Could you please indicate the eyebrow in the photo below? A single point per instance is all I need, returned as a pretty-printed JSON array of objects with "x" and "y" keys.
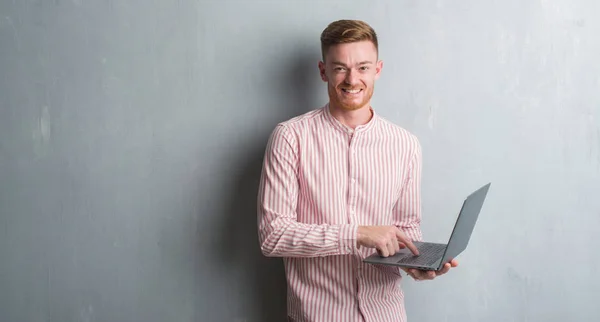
[{"x": 361, "y": 63}]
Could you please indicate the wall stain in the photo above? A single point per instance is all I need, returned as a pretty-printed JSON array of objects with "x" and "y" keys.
[{"x": 42, "y": 132}]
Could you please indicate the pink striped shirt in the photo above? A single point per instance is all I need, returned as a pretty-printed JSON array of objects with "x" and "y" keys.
[{"x": 320, "y": 181}]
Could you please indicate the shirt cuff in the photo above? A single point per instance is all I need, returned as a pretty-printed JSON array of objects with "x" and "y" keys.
[
  {"x": 348, "y": 235},
  {"x": 414, "y": 234}
]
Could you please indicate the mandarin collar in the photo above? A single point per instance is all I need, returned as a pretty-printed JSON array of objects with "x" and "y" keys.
[{"x": 346, "y": 129}]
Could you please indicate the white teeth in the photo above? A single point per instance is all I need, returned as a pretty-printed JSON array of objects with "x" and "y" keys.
[{"x": 353, "y": 91}]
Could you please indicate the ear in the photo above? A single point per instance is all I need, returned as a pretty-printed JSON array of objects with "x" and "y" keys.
[
  {"x": 322, "y": 71},
  {"x": 378, "y": 68}
]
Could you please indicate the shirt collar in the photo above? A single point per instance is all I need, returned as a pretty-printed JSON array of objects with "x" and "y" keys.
[{"x": 346, "y": 129}]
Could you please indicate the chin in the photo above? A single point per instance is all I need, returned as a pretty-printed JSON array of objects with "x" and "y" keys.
[{"x": 352, "y": 105}]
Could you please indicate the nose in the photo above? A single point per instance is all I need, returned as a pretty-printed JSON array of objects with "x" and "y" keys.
[{"x": 351, "y": 78}]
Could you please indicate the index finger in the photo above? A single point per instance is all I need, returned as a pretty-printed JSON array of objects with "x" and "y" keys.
[{"x": 406, "y": 241}]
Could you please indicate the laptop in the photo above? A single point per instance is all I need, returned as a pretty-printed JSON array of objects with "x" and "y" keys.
[{"x": 433, "y": 256}]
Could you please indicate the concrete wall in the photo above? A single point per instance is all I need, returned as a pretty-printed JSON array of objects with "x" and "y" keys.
[{"x": 132, "y": 132}]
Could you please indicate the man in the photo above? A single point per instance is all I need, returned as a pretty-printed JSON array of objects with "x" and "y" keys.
[{"x": 339, "y": 183}]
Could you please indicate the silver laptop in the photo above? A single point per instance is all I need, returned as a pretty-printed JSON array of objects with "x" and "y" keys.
[{"x": 433, "y": 256}]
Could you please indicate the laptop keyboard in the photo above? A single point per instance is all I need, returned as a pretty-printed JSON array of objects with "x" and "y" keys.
[{"x": 428, "y": 255}]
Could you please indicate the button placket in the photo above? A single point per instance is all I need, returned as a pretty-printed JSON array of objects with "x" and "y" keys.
[{"x": 352, "y": 177}]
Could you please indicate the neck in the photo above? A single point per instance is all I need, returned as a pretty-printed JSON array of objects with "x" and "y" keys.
[{"x": 352, "y": 118}]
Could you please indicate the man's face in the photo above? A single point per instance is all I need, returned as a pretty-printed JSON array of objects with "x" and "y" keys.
[{"x": 350, "y": 71}]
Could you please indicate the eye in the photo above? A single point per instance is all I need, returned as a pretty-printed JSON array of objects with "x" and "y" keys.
[
  {"x": 339, "y": 69},
  {"x": 363, "y": 68}
]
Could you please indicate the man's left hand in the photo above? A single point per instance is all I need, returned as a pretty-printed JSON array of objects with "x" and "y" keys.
[{"x": 420, "y": 275}]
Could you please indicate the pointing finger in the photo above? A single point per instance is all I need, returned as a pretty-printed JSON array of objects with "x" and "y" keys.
[{"x": 406, "y": 241}]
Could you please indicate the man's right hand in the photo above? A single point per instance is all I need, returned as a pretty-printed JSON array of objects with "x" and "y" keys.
[{"x": 386, "y": 239}]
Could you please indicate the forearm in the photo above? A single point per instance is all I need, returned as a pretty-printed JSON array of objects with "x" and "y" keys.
[
  {"x": 285, "y": 237},
  {"x": 413, "y": 232}
]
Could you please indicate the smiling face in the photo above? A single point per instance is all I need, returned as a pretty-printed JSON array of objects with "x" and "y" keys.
[{"x": 350, "y": 70}]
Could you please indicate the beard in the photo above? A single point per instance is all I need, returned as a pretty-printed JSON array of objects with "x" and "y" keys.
[{"x": 346, "y": 102}]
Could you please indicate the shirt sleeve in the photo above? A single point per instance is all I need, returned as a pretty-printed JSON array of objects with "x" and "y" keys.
[
  {"x": 280, "y": 234},
  {"x": 407, "y": 212}
]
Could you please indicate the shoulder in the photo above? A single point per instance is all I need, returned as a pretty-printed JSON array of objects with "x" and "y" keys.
[
  {"x": 399, "y": 134},
  {"x": 289, "y": 130},
  {"x": 302, "y": 120},
  {"x": 296, "y": 124}
]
